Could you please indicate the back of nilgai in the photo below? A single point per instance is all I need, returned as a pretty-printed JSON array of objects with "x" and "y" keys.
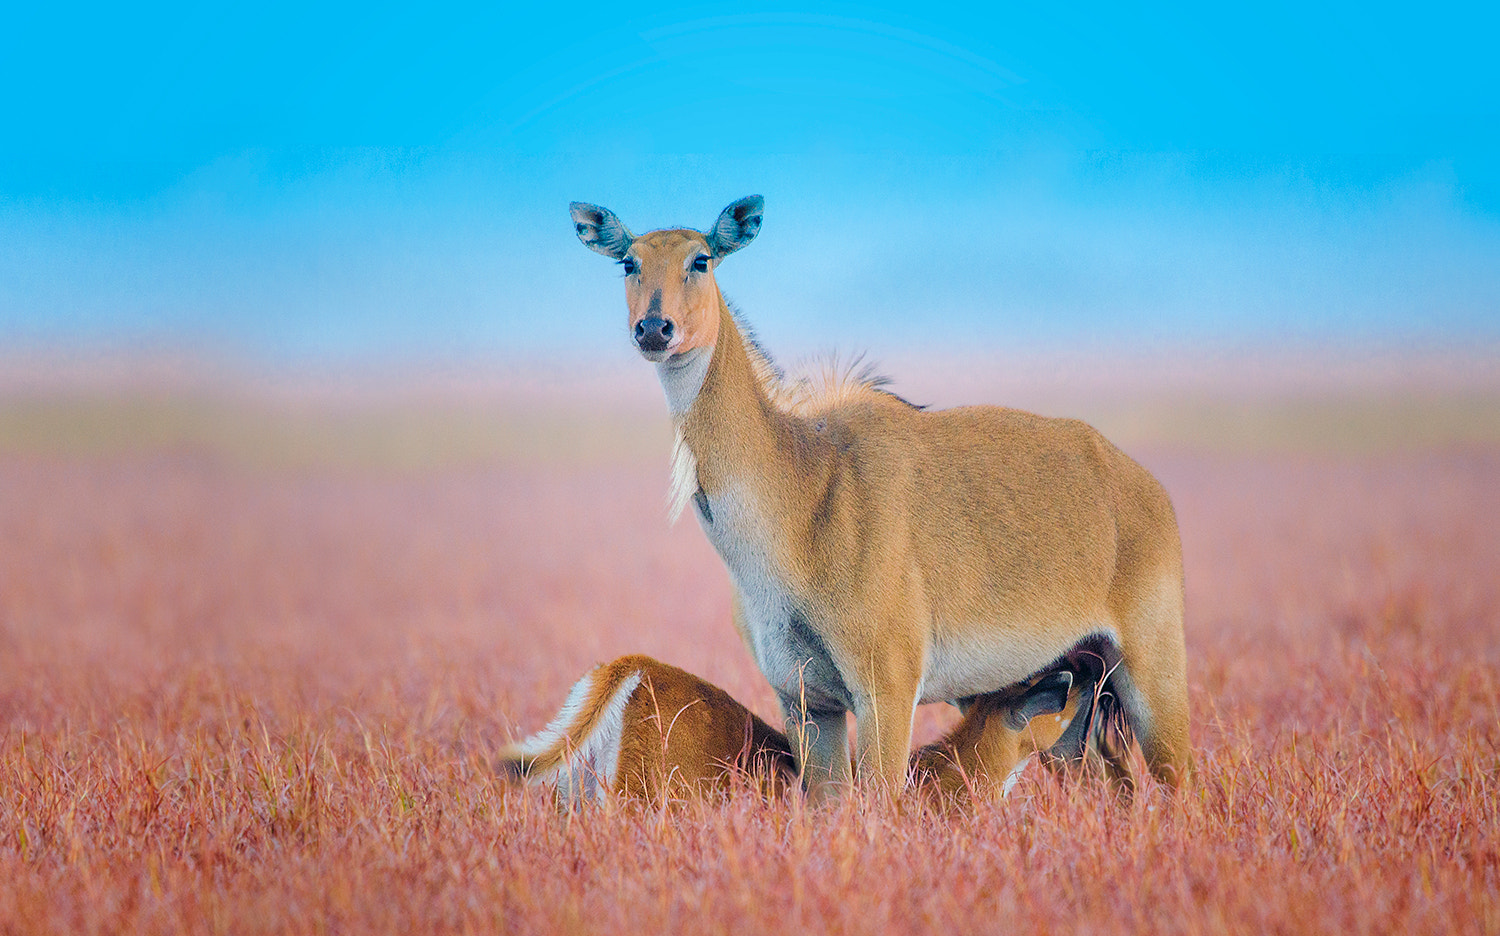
[{"x": 640, "y": 728}]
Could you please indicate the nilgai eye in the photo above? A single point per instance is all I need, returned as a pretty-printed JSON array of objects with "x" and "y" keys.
[
  {"x": 700, "y": 264},
  {"x": 629, "y": 266}
]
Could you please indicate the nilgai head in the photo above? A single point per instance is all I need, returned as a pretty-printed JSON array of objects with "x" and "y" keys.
[{"x": 669, "y": 274}]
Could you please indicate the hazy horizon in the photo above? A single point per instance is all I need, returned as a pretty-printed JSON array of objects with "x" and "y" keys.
[{"x": 459, "y": 253}]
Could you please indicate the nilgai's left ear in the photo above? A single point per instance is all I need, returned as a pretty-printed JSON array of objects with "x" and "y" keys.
[
  {"x": 600, "y": 230},
  {"x": 737, "y": 226},
  {"x": 1049, "y": 695}
]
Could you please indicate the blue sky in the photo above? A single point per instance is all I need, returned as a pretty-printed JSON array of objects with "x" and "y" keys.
[{"x": 284, "y": 180}]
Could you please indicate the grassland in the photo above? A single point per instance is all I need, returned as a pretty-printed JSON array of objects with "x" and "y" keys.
[{"x": 251, "y": 685}]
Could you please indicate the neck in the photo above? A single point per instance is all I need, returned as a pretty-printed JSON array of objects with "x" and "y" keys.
[
  {"x": 723, "y": 412},
  {"x": 682, "y": 379}
]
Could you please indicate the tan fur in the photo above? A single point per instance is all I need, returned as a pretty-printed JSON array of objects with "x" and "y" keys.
[
  {"x": 679, "y": 735},
  {"x": 829, "y": 384},
  {"x": 882, "y": 555},
  {"x": 983, "y": 753}
]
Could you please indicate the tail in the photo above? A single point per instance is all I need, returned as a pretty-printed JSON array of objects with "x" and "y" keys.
[{"x": 579, "y": 749}]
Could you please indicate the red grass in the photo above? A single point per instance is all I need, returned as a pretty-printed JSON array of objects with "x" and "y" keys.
[{"x": 264, "y": 702}]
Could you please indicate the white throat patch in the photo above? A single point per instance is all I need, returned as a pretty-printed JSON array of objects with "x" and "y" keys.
[
  {"x": 682, "y": 378},
  {"x": 684, "y": 482}
]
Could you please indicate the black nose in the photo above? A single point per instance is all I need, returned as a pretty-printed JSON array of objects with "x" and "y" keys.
[{"x": 653, "y": 334}]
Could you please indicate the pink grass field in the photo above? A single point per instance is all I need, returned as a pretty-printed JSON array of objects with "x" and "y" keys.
[{"x": 248, "y": 699}]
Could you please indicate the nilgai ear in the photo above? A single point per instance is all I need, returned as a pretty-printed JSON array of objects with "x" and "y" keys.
[
  {"x": 737, "y": 226},
  {"x": 1049, "y": 695},
  {"x": 600, "y": 230}
]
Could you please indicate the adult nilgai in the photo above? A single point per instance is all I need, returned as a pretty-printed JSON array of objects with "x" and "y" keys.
[{"x": 883, "y": 555}]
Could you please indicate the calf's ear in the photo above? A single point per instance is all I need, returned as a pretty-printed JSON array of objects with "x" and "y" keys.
[{"x": 1049, "y": 695}]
